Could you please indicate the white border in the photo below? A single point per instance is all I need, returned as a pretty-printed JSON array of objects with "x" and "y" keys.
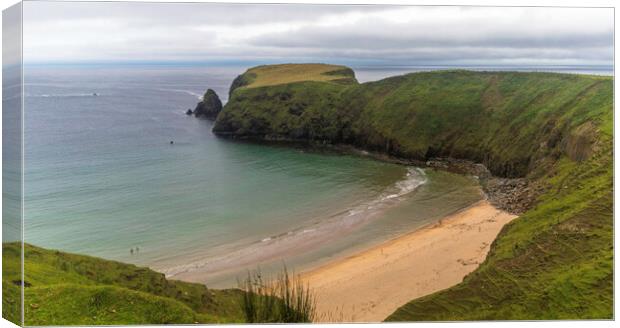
[{"x": 509, "y": 3}]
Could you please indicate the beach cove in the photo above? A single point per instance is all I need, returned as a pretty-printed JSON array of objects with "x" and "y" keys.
[
  {"x": 372, "y": 201},
  {"x": 198, "y": 209}
]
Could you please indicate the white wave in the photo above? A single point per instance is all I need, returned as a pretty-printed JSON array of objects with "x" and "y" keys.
[
  {"x": 354, "y": 212},
  {"x": 197, "y": 95},
  {"x": 61, "y": 95},
  {"x": 414, "y": 178}
]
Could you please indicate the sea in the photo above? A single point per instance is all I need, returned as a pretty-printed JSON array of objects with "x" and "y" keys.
[{"x": 114, "y": 168}]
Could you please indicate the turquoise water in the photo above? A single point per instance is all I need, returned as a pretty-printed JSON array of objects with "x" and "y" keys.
[{"x": 101, "y": 178}]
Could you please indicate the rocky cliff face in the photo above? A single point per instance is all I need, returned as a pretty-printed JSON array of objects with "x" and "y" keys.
[
  {"x": 240, "y": 81},
  {"x": 209, "y": 107}
]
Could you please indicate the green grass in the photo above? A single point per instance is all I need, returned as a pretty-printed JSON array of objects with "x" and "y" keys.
[
  {"x": 285, "y": 299},
  {"x": 553, "y": 262},
  {"x": 70, "y": 289},
  {"x": 11, "y": 302},
  {"x": 97, "y": 305},
  {"x": 302, "y": 114},
  {"x": 268, "y": 75}
]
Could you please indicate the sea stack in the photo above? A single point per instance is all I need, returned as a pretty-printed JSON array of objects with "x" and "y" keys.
[{"x": 209, "y": 107}]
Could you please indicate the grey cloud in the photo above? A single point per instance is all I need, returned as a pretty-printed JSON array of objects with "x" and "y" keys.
[
  {"x": 326, "y": 37},
  {"x": 195, "y": 31},
  {"x": 179, "y": 14}
]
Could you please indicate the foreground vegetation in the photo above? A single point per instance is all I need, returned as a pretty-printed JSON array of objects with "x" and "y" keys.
[
  {"x": 284, "y": 299},
  {"x": 555, "y": 130},
  {"x": 68, "y": 289}
]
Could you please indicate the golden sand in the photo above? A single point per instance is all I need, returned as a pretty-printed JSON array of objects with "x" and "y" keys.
[{"x": 370, "y": 285}]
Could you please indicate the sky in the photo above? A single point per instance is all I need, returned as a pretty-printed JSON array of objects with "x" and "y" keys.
[{"x": 67, "y": 32}]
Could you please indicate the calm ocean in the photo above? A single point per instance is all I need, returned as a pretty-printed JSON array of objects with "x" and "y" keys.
[{"x": 101, "y": 178}]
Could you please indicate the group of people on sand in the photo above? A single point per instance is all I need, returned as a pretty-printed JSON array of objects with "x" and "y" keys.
[{"x": 136, "y": 251}]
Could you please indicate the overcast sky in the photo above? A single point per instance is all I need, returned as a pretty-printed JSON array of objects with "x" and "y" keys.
[{"x": 75, "y": 32}]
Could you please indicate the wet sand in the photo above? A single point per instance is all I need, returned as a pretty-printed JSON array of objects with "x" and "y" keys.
[{"x": 370, "y": 285}]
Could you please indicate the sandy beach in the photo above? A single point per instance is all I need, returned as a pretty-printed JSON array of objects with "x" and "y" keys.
[{"x": 370, "y": 285}]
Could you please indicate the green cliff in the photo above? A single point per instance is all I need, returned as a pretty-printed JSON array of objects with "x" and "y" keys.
[
  {"x": 508, "y": 121},
  {"x": 69, "y": 289},
  {"x": 553, "y": 130}
]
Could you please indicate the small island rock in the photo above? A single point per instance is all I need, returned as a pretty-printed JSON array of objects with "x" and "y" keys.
[{"x": 209, "y": 107}]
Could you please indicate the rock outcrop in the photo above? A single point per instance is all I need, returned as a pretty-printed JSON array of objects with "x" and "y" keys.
[{"x": 209, "y": 107}]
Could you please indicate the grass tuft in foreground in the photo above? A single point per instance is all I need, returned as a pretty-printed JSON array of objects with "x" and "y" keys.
[{"x": 283, "y": 300}]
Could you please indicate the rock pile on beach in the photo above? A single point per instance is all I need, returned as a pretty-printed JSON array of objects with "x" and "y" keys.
[
  {"x": 512, "y": 195},
  {"x": 515, "y": 196}
]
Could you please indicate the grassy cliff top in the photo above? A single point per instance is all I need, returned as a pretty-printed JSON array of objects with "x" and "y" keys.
[
  {"x": 288, "y": 73},
  {"x": 268, "y": 75}
]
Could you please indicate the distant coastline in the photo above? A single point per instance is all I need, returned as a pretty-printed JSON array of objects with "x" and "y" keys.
[{"x": 603, "y": 69}]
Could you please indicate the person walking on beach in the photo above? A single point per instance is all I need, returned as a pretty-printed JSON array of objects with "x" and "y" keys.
[{"x": 131, "y": 251}]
